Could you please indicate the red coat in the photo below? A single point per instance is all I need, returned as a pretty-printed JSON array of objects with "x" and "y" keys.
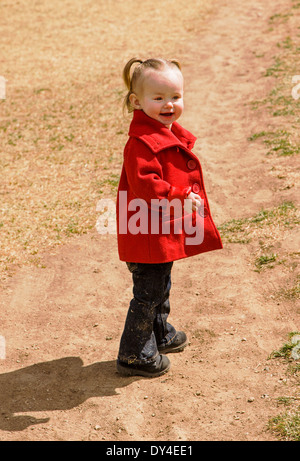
[{"x": 159, "y": 167}]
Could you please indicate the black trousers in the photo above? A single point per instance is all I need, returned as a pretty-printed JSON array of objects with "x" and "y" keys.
[{"x": 146, "y": 326}]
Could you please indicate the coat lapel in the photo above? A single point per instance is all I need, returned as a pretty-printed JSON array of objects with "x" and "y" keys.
[{"x": 158, "y": 137}]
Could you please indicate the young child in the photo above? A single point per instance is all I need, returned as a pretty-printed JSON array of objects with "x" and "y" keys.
[{"x": 162, "y": 212}]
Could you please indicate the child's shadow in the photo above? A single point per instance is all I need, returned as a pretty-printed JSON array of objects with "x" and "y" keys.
[{"x": 57, "y": 385}]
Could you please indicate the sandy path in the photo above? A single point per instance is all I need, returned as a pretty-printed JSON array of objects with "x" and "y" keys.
[{"x": 63, "y": 322}]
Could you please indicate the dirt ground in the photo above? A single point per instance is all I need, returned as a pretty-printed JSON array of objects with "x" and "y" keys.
[{"x": 62, "y": 322}]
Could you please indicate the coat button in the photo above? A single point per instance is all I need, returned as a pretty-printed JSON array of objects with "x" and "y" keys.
[
  {"x": 191, "y": 164},
  {"x": 196, "y": 188}
]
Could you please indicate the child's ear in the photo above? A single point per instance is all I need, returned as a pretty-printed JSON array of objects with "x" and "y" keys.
[{"x": 134, "y": 101}]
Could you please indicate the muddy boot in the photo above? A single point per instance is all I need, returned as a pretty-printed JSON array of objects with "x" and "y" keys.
[
  {"x": 177, "y": 344},
  {"x": 159, "y": 367}
]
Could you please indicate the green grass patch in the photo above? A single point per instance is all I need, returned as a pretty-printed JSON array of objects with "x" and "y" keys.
[
  {"x": 265, "y": 223},
  {"x": 285, "y": 351},
  {"x": 279, "y": 142},
  {"x": 265, "y": 229},
  {"x": 281, "y": 102},
  {"x": 279, "y": 18},
  {"x": 276, "y": 68},
  {"x": 265, "y": 260},
  {"x": 286, "y": 426}
]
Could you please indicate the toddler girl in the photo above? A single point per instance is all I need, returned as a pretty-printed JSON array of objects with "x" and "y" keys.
[{"x": 162, "y": 212}]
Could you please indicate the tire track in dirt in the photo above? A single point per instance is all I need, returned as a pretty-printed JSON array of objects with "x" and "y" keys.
[{"x": 65, "y": 320}]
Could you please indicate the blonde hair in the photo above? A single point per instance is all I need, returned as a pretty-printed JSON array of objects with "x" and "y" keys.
[{"x": 131, "y": 81}]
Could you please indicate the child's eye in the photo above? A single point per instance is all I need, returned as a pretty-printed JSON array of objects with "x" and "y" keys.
[{"x": 158, "y": 98}]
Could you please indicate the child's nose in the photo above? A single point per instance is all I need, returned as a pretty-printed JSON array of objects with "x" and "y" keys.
[{"x": 169, "y": 104}]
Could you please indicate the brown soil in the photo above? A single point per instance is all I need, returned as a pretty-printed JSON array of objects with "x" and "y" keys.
[{"x": 62, "y": 322}]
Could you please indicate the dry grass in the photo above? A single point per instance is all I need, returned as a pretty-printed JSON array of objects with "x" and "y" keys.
[
  {"x": 282, "y": 134},
  {"x": 265, "y": 225},
  {"x": 62, "y": 129}
]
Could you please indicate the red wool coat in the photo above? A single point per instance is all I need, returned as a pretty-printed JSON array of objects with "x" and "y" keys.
[{"x": 159, "y": 169}]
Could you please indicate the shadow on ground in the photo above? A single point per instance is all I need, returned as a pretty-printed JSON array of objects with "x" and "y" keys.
[{"x": 60, "y": 384}]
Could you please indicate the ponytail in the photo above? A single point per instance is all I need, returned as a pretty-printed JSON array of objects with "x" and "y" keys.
[
  {"x": 176, "y": 63},
  {"x": 128, "y": 81}
]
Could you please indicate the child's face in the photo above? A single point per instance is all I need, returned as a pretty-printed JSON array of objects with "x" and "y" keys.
[{"x": 160, "y": 95}]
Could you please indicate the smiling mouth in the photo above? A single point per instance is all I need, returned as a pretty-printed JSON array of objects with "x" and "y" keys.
[{"x": 168, "y": 114}]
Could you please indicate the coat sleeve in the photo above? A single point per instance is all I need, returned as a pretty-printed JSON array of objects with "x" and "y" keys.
[{"x": 145, "y": 175}]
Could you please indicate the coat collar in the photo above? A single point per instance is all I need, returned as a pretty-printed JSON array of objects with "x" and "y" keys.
[{"x": 157, "y": 136}]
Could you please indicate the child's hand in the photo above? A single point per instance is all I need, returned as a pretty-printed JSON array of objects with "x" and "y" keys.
[{"x": 192, "y": 202}]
